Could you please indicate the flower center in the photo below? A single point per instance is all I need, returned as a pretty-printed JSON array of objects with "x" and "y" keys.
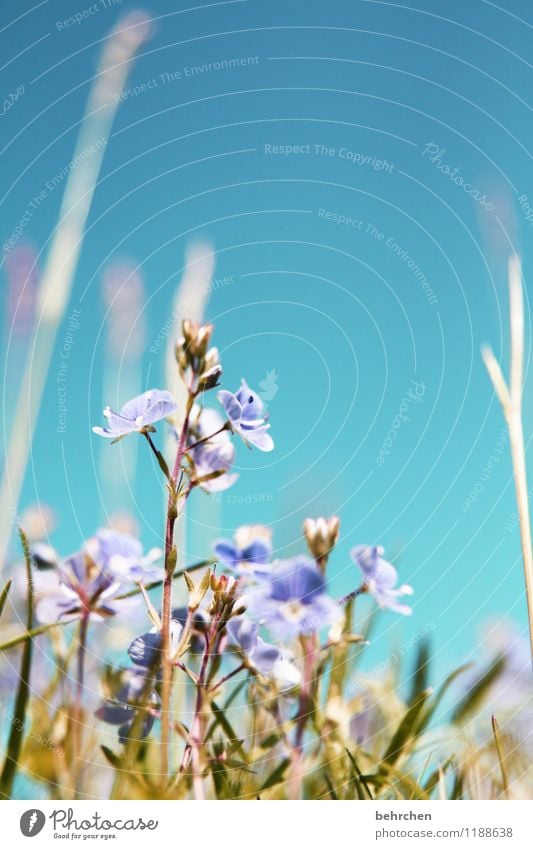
[{"x": 293, "y": 611}]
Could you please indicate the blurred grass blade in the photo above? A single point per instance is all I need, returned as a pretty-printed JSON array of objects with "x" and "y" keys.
[
  {"x": 407, "y": 729},
  {"x": 16, "y": 736},
  {"x": 358, "y": 778},
  {"x": 276, "y": 776},
  {"x": 428, "y": 714},
  {"x": 501, "y": 757},
  {"x": 477, "y": 693},
  {"x": 57, "y": 279},
  {"x": 421, "y": 670},
  {"x": 4, "y": 594}
]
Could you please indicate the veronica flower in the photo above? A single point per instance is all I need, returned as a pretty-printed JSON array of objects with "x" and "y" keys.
[
  {"x": 122, "y": 556},
  {"x": 245, "y": 412},
  {"x": 293, "y": 601},
  {"x": 138, "y": 414},
  {"x": 145, "y": 650},
  {"x": 121, "y": 710},
  {"x": 380, "y": 578},
  {"x": 259, "y": 656},
  {"x": 248, "y": 554},
  {"x": 214, "y": 457},
  {"x": 84, "y": 589}
]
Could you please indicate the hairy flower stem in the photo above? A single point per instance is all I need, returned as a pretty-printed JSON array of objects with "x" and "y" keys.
[
  {"x": 170, "y": 564},
  {"x": 305, "y": 710},
  {"x": 78, "y": 710},
  {"x": 199, "y": 723}
]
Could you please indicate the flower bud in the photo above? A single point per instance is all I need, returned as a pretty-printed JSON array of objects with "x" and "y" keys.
[
  {"x": 192, "y": 348},
  {"x": 321, "y": 535},
  {"x": 210, "y": 378}
]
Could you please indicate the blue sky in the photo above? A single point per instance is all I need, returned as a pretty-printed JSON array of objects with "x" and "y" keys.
[{"x": 363, "y": 172}]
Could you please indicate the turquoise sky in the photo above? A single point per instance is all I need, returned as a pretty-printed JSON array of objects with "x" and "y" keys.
[{"x": 362, "y": 169}]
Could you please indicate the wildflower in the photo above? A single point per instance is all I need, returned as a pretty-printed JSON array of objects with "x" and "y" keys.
[
  {"x": 122, "y": 556},
  {"x": 212, "y": 459},
  {"x": 321, "y": 535},
  {"x": 121, "y": 710},
  {"x": 246, "y": 416},
  {"x": 380, "y": 578},
  {"x": 293, "y": 601},
  {"x": 260, "y": 656},
  {"x": 84, "y": 589},
  {"x": 145, "y": 650},
  {"x": 248, "y": 554},
  {"x": 138, "y": 415}
]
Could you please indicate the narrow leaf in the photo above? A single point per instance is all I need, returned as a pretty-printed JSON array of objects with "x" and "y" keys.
[
  {"x": 277, "y": 776},
  {"x": 406, "y": 730},
  {"x": 501, "y": 757},
  {"x": 16, "y": 736},
  {"x": 475, "y": 696},
  {"x": 4, "y": 594}
]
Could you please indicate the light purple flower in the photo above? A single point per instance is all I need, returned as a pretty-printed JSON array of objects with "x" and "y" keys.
[
  {"x": 216, "y": 455},
  {"x": 380, "y": 578},
  {"x": 121, "y": 555},
  {"x": 121, "y": 711},
  {"x": 294, "y": 600},
  {"x": 246, "y": 415},
  {"x": 261, "y": 656},
  {"x": 139, "y": 413},
  {"x": 145, "y": 650},
  {"x": 248, "y": 554},
  {"x": 84, "y": 589}
]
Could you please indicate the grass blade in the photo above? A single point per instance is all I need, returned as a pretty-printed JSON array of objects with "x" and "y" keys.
[
  {"x": 16, "y": 736},
  {"x": 501, "y": 757},
  {"x": 4, "y": 594},
  {"x": 407, "y": 729}
]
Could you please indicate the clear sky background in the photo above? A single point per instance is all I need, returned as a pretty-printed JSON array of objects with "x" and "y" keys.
[{"x": 362, "y": 277}]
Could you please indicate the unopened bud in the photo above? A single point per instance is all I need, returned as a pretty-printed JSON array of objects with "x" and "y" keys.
[
  {"x": 210, "y": 378},
  {"x": 321, "y": 535}
]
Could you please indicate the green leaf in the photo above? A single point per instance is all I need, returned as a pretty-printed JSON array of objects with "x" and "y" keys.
[
  {"x": 421, "y": 670},
  {"x": 359, "y": 779},
  {"x": 475, "y": 696},
  {"x": 428, "y": 714},
  {"x": 16, "y": 735},
  {"x": 222, "y": 720},
  {"x": 277, "y": 776},
  {"x": 233, "y": 695},
  {"x": 501, "y": 757},
  {"x": 406, "y": 730},
  {"x": 4, "y": 594},
  {"x": 114, "y": 759}
]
